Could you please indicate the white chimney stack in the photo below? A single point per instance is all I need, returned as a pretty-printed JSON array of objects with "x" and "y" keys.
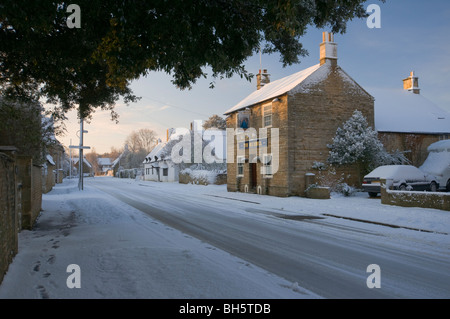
[
  {"x": 328, "y": 49},
  {"x": 411, "y": 83}
]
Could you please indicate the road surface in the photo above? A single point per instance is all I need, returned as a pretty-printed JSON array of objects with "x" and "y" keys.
[{"x": 322, "y": 254}]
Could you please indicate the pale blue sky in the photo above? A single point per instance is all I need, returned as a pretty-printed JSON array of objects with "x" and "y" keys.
[{"x": 414, "y": 36}]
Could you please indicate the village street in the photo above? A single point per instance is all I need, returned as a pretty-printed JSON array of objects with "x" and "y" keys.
[
  {"x": 136, "y": 239},
  {"x": 325, "y": 255}
]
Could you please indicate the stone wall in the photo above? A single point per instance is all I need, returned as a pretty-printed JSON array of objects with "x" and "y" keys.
[
  {"x": 414, "y": 199},
  {"x": 415, "y": 145},
  {"x": 314, "y": 116},
  {"x": 48, "y": 178},
  {"x": 8, "y": 212}
]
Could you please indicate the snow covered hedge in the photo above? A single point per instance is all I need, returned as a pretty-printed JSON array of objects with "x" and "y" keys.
[
  {"x": 128, "y": 173},
  {"x": 200, "y": 176}
]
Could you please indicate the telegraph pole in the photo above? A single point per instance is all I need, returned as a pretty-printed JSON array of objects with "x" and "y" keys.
[{"x": 81, "y": 158}]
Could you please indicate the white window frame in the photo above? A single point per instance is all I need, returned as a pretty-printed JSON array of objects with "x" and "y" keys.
[
  {"x": 240, "y": 164},
  {"x": 267, "y": 165},
  {"x": 263, "y": 109}
]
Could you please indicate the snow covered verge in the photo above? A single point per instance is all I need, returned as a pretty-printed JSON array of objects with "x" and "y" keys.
[{"x": 123, "y": 253}]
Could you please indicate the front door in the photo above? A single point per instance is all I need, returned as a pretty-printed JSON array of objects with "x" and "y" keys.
[{"x": 252, "y": 175}]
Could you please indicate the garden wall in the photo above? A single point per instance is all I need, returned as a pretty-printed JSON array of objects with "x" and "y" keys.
[{"x": 435, "y": 200}]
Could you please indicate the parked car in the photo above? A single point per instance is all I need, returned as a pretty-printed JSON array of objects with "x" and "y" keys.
[
  {"x": 438, "y": 163},
  {"x": 404, "y": 177}
]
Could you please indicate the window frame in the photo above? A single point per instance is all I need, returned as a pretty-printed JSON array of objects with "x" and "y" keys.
[
  {"x": 264, "y": 115},
  {"x": 240, "y": 165},
  {"x": 267, "y": 165}
]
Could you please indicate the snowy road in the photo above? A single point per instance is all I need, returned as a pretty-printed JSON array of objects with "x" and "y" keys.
[{"x": 296, "y": 241}]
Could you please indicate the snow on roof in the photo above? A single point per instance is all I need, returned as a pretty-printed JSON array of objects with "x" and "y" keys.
[
  {"x": 156, "y": 151},
  {"x": 275, "y": 88},
  {"x": 50, "y": 159},
  {"x": 441, "y": 146},
  {"x": 396, "y": 171},
  {"x": 75, "y": 161},
  {"x": 436, "y": 163},
  {"x": 104, "y": 161},
  {"x": 398, "y": 110}
]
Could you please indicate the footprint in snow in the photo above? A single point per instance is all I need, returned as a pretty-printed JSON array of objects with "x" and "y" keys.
[
  {"x": 37, "y": 266},
  {"x": 42, "y": 292}
]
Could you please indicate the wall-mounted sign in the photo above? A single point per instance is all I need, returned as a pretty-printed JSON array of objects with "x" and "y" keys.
[
  {"x": 253, "y": 144},
  {"x": 244, "y": 119}
]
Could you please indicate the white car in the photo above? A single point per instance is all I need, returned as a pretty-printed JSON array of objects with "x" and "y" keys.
[
  {"x": 403, "y": 177},
  {"x": 438, "y": 163}
]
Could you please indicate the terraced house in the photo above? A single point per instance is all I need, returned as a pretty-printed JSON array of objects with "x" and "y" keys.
[{"x": 306, "y": 107}]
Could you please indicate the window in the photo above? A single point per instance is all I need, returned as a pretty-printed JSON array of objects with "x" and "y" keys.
[
  {"x": 165, "y": 171},
  {"x": 267, "y": 165},
  {"x": 240, "y": 165},
  {"x": 267, "y": 115},
  {"x": 444, "y": 137}
]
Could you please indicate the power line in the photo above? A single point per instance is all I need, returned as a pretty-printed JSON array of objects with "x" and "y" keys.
[{"x": 175, "y": 106}]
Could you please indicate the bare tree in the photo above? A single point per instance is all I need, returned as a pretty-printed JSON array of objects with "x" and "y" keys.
[
  {"x": 143, "y": 139},
  {"x": 92, "y": 157},
  {"x": 148, "y": 139}
]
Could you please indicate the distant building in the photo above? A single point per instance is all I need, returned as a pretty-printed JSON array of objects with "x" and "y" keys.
[
  {"x": 105, "y": 165},
  {"x": 407, "y": 121},
  {"x": 87, "y": 166},
  {"x": 307, "y": 108}
]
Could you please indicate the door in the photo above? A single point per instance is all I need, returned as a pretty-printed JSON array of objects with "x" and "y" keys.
[{"x": 252, "y": 175}]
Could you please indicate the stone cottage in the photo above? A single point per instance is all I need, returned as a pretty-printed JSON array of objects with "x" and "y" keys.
[
  {"x": 306, "y": 108},
  {"x": 407, "y": 121}
]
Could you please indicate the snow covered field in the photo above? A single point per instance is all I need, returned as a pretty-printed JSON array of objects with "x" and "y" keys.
[{"x": 124, "y": 253}]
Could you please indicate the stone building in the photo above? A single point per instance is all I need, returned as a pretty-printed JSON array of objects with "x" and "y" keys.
[
  {"x": 301, "y": 113},
  {"x": 407, "y": 121},
  {"x": 87, "y": 166}
]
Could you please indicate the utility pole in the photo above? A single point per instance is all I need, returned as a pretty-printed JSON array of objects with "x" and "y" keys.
[
  {"x": 71, "y": 162},
  {"x": 81, "y": 159}
]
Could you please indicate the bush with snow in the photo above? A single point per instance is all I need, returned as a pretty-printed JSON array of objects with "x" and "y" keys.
[
  {"x": 357, "y": 143},
  {"x": 201, "y": 175}
]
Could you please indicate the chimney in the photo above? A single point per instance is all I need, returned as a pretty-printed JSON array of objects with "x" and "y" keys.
[
  {"x": 262, "y": 79},
  {"x": 328, "y": 49},
  {"x": 169, "y": 133},
  {"x": 411, "y": 83}
]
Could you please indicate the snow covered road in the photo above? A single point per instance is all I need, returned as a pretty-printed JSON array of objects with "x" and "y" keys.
[
  {"x": 325, "y": 255},
  {"x": 135, "y": 239}
]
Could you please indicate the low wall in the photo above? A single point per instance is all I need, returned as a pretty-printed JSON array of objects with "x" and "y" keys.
[
  {"x": 8, "y": 212},
  {"x": 435, "y": 200}
]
